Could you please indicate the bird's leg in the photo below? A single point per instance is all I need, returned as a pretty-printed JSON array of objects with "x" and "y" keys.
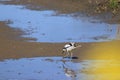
[
  {"x": 63, "y": 53},
  {"x": 71, "y": 55},
  {"x": 66, "y": 54}
]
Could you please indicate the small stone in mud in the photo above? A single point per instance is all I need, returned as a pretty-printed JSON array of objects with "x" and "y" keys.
[{"x": 50, "y": 60}]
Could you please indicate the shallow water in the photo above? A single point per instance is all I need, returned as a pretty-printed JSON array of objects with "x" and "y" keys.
[
  {"x": 44, "y": 68},
  {"x": 46, "y": 26},
  {"x": 41, "y": 68}
]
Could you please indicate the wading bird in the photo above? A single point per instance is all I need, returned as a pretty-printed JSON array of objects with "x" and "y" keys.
[{"x": 68, "y": 48}]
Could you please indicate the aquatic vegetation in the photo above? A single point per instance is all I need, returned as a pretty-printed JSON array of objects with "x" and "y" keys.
[{"x": 114, "y": 4}]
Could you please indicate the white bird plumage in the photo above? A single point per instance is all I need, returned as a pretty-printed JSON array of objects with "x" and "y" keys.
[{"x": 68, "y": 48}]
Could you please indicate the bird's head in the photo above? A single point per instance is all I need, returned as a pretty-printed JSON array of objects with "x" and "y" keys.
[{"x": 72, "y": 43}]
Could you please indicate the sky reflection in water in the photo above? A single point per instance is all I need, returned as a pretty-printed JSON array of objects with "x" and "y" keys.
[
  {"x": 36, "y": 68},
  {"x": 45, "y": 26},
  {"x": 45, "y": 68}
]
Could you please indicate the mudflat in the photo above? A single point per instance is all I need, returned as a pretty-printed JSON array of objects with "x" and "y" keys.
[{"x": 14, "y": 46}]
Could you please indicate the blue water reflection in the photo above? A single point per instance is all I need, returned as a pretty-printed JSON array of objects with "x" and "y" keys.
[
  {"x": 53, "y": 68},
  {"x": 46, "y": 27},
  {"x": 46, "y": 68}
]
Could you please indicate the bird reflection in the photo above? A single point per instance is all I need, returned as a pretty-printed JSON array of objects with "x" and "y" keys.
[{"x": 69, "y": 72}]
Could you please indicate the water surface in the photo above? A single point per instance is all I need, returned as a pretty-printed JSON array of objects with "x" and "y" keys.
[
  {"x": 52, "y": 68},
  {"x": 50, "y": 27},
  {"x": 46, "y": 26}
]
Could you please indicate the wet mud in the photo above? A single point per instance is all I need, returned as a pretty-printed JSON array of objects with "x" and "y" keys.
[{"x": 13, "y": 46}]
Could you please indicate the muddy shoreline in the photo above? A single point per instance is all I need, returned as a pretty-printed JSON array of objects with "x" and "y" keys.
[
  {"x": 16, "y": 49},
  {"x": 14, "y": 46}
]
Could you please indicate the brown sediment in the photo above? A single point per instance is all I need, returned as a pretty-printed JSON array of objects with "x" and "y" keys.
[
  {"x": 14, "y": 46},
  {"x": 16, "y": 49},
  {"x": 64, "y": 6}
]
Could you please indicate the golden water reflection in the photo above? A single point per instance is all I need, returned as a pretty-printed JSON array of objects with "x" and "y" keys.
[
  {"x": 102, "y": 70},
  {"x": 105, "y": 61}
]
